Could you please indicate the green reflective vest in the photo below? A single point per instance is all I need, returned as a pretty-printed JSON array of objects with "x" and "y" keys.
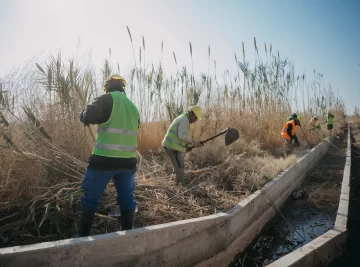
[
  {"x": 117, "y": 138},
  {"x": 171, "y": 139},
  {"x": 329, "y": 119}
]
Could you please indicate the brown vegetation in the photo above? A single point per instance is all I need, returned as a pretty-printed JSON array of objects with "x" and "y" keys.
[{"x": 44, "y": 148}]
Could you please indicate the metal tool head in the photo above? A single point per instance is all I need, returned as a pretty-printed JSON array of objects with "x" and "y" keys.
[
  {"x": 115, "y": 211},
  {"x": 231, "y": 136}
]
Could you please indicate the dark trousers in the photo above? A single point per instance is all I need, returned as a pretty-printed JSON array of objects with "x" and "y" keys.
[
  {"x": 294, "y": 140},
  {"x": 95, "y": 183},
  {"x": 177, "y": 160}
]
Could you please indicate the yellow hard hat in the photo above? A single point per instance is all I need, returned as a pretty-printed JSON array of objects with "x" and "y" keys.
[
  {"x": 197, "y": 111},
  {"x": 113, "y": 80}
]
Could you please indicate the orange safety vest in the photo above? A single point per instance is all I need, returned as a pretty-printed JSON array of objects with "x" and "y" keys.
[{"x": 285, "y": 128}]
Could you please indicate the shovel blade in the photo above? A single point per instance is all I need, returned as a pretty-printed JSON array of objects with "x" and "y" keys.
[
  {"x": 114, "y": 212},
  {"x": 231, "y": 136}
]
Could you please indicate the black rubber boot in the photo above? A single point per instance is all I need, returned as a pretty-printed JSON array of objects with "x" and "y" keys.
[
  {"x": 127, "y": 219},
  {"x": 87, "y": 218}
]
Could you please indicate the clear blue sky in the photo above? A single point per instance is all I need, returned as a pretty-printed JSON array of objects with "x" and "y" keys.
[{"x": 318, "y": 34}]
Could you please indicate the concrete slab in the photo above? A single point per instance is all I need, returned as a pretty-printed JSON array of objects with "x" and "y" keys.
[{"x": 181, "y": 243}]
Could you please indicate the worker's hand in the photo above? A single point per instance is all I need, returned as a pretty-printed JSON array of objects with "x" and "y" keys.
[
  {"x": 197, "y": 143},
  {"x": 83, "y": 120}
]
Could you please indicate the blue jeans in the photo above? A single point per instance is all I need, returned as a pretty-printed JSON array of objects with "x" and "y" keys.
[{"x": 95, "y": 183}]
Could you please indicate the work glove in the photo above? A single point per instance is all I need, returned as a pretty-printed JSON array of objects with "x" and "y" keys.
[{"x": 197, "y": 143}]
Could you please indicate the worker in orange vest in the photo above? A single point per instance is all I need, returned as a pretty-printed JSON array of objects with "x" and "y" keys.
[{"x": 289, "y": 132}]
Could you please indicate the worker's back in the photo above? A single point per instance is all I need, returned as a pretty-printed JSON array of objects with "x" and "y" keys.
[{"x": 117, "y": 138}]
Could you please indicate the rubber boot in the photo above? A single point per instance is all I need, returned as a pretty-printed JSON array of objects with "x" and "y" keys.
[
  {"x": 127, "y": 219},
  {"x": 87, "y": 218}
]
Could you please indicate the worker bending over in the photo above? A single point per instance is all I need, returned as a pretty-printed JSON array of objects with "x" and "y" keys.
[
  {"x": 177, "y": 139},
  {"x": 289, "y": 133}
]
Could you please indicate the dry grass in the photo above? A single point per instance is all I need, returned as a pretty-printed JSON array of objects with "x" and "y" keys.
[
  {"x": 44, "y": 148},
  {"x": 355, "y": 119},
  {"x": 323, "y": 197},
  {"x": 48, "y": 179},
  {"x": 47, "y": 174},
  {"x": 150, "y": 136},
  {"x": 40, "y": 183}
]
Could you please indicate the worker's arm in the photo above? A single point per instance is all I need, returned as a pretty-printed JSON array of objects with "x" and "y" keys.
[
  {"x": 183, "y": 128},
  {"x": 98, "y": 111}
]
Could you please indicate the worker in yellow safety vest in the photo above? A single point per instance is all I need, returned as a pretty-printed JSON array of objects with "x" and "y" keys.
[
  {"x": 177, "y": 139},
  {"x": 329, "y": 120},
  {"x": 114, "y": 153}
]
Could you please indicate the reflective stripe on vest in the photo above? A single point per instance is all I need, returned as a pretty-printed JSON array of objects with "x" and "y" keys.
[
  {"x": 175, "y": 141},
  {"x": 285, "y": 128},
  {"x": 116, "y": 131},
  {"x": 117, "y": 138},
  {"x": 171, "y": 139},
  {"x": 115, "y": 147}
]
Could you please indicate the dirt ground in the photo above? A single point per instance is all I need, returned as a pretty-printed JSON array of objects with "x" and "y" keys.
[
  {"x": 351, "y": 257},
  {"x": 309, "y": 212}
]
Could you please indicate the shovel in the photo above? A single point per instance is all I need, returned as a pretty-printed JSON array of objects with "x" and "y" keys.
[{"x": 231, "y": 135}]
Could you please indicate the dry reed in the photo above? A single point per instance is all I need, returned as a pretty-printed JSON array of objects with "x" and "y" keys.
[{"x": 44, "y": 148}]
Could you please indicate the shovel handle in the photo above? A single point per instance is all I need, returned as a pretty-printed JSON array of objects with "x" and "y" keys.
[
  {"x": 189, "y": 148},
  {"x": 91, "y": 132},
  {"x": 206, "y": 140},
  {"x": 212, "y": 137}
]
